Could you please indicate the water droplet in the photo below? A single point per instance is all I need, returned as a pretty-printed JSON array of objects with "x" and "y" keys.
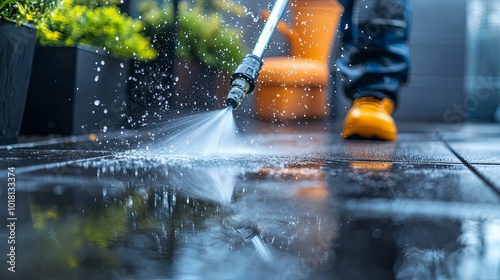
[
  {"x": 102, "y": 62},
  {"x": 96, "y": 78},
  {"x": 97, "y": 103},
  {"x": 98, "y": 69},
  {"x": 105, "y": 111},
  {"x": 121, "y": 65}
]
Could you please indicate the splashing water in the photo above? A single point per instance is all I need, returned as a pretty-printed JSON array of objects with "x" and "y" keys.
[
  {"x": 204, "y": 133},
  {"x": 262, "y": 249}
]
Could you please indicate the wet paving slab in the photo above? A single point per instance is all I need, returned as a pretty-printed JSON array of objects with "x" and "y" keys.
[
  {"x": 490, "y": 174},
  {"x": 477, "y": 146},
  {"x": 478, "y": 151},
  {"x": 324, "y": 208}
]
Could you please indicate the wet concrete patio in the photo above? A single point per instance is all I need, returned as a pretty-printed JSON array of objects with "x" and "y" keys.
[{"x": 424, "y": 207}]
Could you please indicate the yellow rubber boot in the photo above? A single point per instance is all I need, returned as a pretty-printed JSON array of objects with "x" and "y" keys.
[{"x": 370, "y": 118}]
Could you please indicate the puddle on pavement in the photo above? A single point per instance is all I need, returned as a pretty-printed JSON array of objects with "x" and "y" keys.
[{"x": 133, "y": 217}]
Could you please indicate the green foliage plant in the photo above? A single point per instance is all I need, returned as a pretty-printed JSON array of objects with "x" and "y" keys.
[
  {"x": 26, "y": 11},
  {"x": 203, "y": 35},
  {"x": 102, "y": 26}
]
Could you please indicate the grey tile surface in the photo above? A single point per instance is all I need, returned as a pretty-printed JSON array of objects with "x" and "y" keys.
[
  {"x": 490, "y": 173},
  {"x": 478, "y": 151},
  {"x": 462, "y": 131},
  {"x": 407, "y": 151},
  {"x": 366, "y": 209},
  {"x": 426, "y": 182}
]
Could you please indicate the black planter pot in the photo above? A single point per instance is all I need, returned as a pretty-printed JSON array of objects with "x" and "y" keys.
[
  {"x": 17, "y": 44},
  {"x": 75, "y": 90}
]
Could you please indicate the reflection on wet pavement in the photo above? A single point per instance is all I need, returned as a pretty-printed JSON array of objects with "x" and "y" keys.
[{"x": 322, "y": 207}]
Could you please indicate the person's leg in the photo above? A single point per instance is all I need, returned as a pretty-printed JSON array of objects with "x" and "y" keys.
[
  {"x": 374, "y": 62},
  {"x": 346, "y": 21},
  {"x": 375, "y": 54}
]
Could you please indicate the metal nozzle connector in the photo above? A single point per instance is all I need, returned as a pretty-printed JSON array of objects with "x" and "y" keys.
[
  {"x": 239, "y": 89},
  {"x": 243, "y": 80}
]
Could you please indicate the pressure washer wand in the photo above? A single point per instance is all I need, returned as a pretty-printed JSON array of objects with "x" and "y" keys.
[
  {"x": 250, "y": 233},
  {"x": 245, "y": 77}
]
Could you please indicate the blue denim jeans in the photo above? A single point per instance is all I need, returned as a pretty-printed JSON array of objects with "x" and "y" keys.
[{"x": 374, "y": 55}]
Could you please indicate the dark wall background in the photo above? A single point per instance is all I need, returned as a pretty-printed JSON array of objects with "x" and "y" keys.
[
  {"x": 437, "y": 45},
  {"x": 482, "y": 78},
  {"x": 438, "y": 60}
]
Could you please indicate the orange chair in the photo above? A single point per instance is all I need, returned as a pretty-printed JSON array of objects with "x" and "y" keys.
[{"x": 295, "y": 86}]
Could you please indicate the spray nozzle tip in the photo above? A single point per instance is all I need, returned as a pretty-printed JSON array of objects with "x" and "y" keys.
[
  {"x": 235, "y": 96},
  {"x": 231, "y": 102},
  {"x": 246, "y": 229}
]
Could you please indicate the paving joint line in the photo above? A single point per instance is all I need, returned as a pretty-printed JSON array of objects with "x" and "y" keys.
[{"x": 476, "y": 172}]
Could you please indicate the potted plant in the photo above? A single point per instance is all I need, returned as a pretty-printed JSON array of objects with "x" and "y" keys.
[
  {"x": 80, "y": 70},
  {"x": 17, "y": 43},
  {"x": 206, "y": 50}
]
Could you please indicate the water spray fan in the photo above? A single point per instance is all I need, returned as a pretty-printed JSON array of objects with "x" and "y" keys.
[{"x": 245, "y": 77}]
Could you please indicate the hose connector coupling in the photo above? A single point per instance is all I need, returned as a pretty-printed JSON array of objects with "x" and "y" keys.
[{"x": 243, "y": 80}]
